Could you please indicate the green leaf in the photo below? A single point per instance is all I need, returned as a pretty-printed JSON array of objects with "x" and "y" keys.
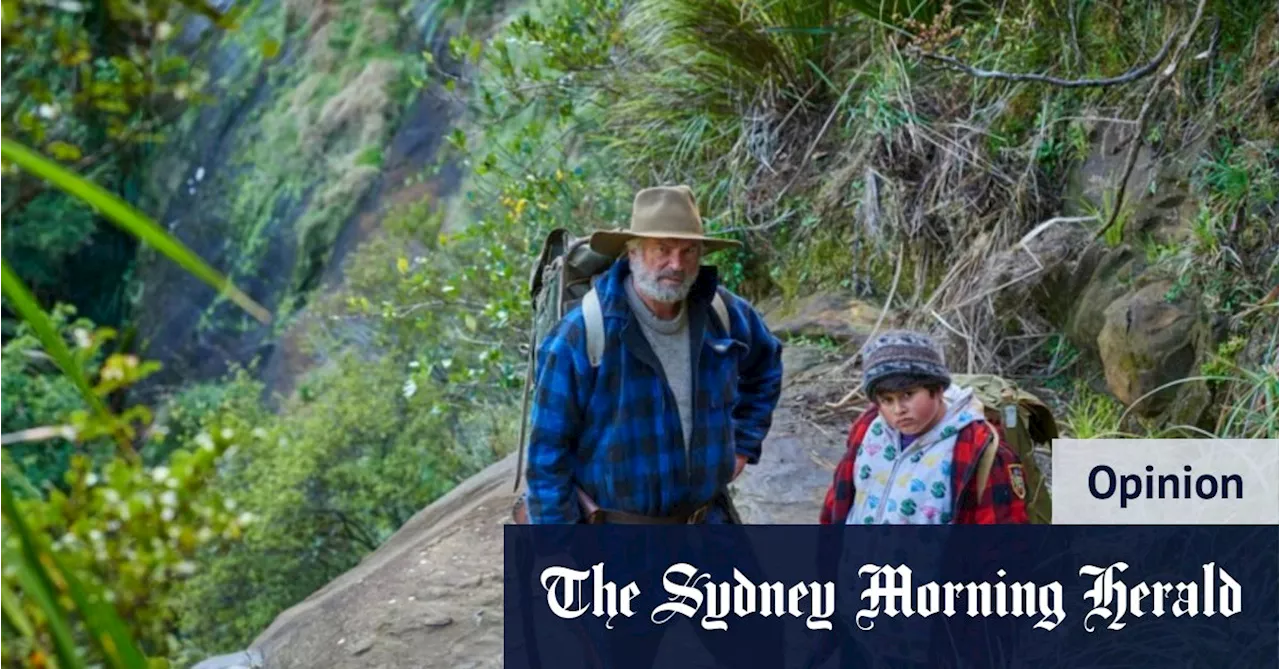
[
  {"x": 41, "y": 566},
  {"x": 8, "y": 12},
  {"x": 13, "y": 614},
  {"x": 27, "y": 307},
  {"x": 130, "y": 220},
  {"x": 270, "y": 48},
  {"x": 37, "y": 584},
  {"x": 67, "y": 153}
]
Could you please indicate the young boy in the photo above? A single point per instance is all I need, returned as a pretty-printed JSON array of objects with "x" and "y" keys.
[{"x": 914, "y": 456}]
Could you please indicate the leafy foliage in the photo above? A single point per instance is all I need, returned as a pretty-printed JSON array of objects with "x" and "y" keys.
[
  {"x": 135, "y": 529},
  {"x": 35, "y": 394},
  {"x": 92, "y": 85}
]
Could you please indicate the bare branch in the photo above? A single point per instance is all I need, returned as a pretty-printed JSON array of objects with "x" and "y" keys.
[
  {"x": 1131, "y": 75},
  {"x": 1144, "y": 116}
]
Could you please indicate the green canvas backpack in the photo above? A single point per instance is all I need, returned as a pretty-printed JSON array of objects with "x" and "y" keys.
[{"x": 1027, "y": 425}]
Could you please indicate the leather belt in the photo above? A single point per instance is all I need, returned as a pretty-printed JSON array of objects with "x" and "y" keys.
[{"x": 592, "y": 514}]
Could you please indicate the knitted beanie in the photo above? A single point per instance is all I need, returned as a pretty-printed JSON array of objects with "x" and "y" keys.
[{"x": 902, "y": 352}]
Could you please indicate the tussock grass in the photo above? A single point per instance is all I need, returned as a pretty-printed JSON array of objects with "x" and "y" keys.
[{"x": 725, "y": 93}]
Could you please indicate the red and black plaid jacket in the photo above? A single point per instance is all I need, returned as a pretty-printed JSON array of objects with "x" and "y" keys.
[{"x": 995, "y": 505}]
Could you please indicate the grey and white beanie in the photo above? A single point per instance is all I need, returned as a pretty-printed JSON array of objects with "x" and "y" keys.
[{"x": 898, "y": 352}]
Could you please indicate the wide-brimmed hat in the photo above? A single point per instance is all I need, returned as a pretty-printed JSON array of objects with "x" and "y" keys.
[{"x": 663, "y": 212}]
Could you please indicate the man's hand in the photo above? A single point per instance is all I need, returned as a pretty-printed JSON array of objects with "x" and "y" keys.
[{"x": 741, "y": 464}]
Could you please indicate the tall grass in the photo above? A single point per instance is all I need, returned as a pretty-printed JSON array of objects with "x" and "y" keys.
[
  {"x": 720, "y": 88},
  {"x": 1251, "y": 407}
]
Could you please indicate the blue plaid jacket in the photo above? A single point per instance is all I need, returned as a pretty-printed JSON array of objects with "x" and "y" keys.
[{"x": 615, "y": 430}]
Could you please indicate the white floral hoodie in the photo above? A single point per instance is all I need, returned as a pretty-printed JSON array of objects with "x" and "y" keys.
[{"x": 912, "y": 485}]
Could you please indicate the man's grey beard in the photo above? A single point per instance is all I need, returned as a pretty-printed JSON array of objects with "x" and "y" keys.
[{"x": 647, "y": 282}]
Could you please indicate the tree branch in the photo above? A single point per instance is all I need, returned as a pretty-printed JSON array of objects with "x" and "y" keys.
[
  {"x": 1131, "y": 75},
  {"x": 1144, "y": 117}
]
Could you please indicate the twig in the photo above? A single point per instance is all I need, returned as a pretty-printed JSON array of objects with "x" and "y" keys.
[
  {"x": 1131, "y": 75},
  {"x": 783, "y": 218},
  {"x": 39, "y": 434},
  {"x": 1075, "y": 38},
  {"x": 893, "y": 289},
  {"x": 1144, "y": 117},
  {"x": 1212, "y": 53},
  {"x": 843, "y": 400}
]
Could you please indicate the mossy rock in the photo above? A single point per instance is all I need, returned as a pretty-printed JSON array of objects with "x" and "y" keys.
[
  {"x": 1148, "y": 342},
  {"x": 1111, "y": 280}
]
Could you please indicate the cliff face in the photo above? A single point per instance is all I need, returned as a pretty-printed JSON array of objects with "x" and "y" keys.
[{"x": 312, "y": 128}]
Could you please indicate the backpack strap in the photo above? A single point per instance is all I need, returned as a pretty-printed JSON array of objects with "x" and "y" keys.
[
  {"x": 721, "y": 310},
  {"x": 988, "y": 459},
  {"x": 594, "y": 317}
]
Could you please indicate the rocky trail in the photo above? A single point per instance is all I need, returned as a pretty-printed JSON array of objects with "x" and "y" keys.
[{"x": 431, "y": 596}]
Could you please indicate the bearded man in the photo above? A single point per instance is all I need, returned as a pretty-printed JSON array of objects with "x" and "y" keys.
[{"x": 652, "y": 427}]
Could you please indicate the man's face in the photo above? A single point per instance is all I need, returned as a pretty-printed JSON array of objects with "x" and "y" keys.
[
  {"x": 665, "y": 269},
  {"x": 912, "y": 411}
]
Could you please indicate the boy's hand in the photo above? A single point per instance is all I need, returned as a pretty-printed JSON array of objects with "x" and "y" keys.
[{"x": 741, "y": 464}]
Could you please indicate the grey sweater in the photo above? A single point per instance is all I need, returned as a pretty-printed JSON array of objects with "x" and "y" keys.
[{"x": 670, "y": 342}]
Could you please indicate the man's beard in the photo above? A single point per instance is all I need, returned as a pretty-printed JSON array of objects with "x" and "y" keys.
[{"x": 649, "y": 282}]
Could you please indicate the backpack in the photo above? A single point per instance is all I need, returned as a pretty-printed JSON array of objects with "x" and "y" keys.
[
  {"x": 1025, "y": 424},
  {"x": 561, "y": 279}
]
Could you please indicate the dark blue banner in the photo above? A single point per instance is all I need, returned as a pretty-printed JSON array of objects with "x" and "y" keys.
[{"x": 891, "y": 596}]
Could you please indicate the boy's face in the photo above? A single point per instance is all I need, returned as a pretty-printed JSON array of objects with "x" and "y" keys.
[{"x": 913, "y": 411}]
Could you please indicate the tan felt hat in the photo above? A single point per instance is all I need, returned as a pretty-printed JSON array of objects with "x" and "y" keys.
[{"x": 663, "y": 212}]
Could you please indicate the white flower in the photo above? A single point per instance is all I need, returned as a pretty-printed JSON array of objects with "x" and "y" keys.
[
  {"x": 203, "y": 440},
  {"x": 169, "y": 498},
  {"x": 83, "y": 340},
  {"x": 199, "y": 174},
  {"x": 229, "y": 504},
  {"x": 163, "y": 30},
  {"x": 159, "y": 474},
  {"x": 166, "y": 515},
  {"x": 92, "y": 480},
  {"x": 259, "y": 433},
  {"x": 228, "y": 433},
  {"x": 204, "y": 535},
  {"x": 47, "y": 111},
  {"x": 410, "y": 388},
  {"x": 413, "y": 364},
  {"x": 245, "y": 518}
]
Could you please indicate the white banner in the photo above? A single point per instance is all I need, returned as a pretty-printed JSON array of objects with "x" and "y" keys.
[{"x": 1166, "y": 482}]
